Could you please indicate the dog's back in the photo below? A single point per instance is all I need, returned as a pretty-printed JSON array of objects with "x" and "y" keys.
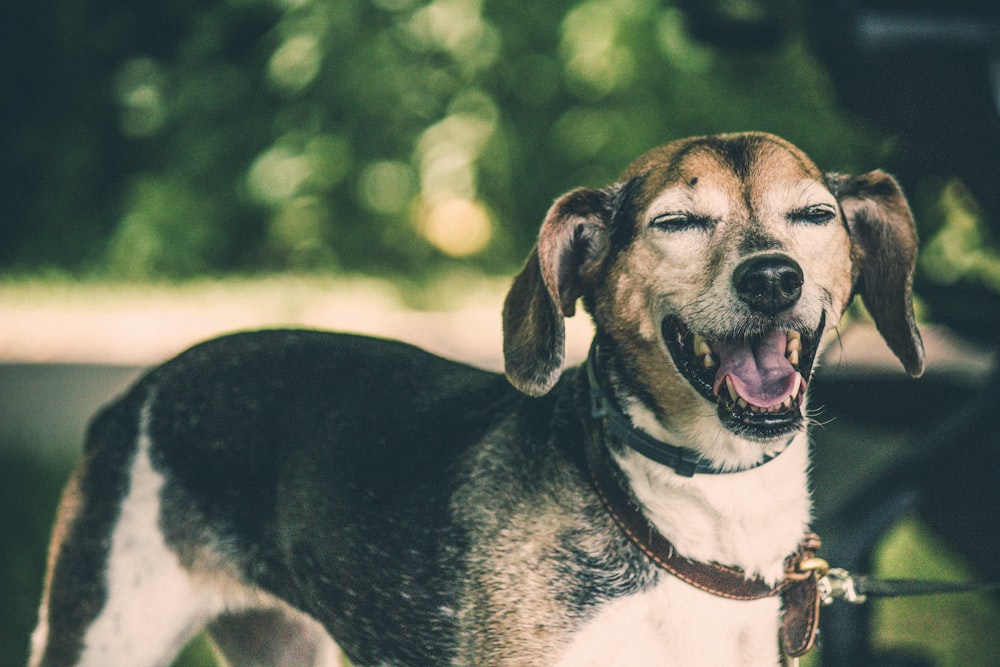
[{"x": 226, "y": 463}]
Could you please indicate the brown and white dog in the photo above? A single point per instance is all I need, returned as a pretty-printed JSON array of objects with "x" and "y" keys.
[{"x": 298, "y": 491}]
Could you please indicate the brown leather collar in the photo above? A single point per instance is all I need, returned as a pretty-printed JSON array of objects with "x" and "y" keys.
[{"x": 798, "y": 591}]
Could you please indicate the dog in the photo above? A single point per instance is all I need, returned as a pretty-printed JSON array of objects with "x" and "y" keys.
[{"x": 303, "y": 493}]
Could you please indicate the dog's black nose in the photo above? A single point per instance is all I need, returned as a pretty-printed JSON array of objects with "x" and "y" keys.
[{"x": 769, "y": 284}]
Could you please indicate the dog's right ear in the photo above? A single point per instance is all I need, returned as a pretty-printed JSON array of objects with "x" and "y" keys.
[
  {"x": 571, "y": 246},
  {"x": 884, "y": 256}
]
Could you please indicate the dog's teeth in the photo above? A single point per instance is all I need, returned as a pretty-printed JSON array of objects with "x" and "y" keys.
[
  {"x": 708, "y": 361},
  {"x": 796, "y": 387},
  {"x": 787, "y": 405},
  {"x": 743, "y": 404},
  {"x": 793, "y": 346},
  {"x": 701, "y": 346},
  {"x": 732, "y": 389}
]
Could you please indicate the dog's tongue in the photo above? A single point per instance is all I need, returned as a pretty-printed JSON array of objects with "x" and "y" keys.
[{"x": 760, "y": 373}]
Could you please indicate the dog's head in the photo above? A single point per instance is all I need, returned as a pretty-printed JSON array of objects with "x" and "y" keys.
[{"x": 712, "y": 269}]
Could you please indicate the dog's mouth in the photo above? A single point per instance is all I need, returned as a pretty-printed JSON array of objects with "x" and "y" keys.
[{"x": 758, "y": 383}]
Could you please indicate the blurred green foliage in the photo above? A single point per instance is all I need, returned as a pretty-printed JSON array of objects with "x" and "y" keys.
[{"x": 166, "y": 140}]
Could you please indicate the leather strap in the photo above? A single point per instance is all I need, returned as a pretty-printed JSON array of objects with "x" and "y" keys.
[
  {"x": 799, "y": 590},
  {"x": 800, "y": 600},
  {"x": 712, "y": 578}
]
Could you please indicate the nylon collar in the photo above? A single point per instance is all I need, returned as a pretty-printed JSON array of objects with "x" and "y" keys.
[{"x": 685, "y": 462}]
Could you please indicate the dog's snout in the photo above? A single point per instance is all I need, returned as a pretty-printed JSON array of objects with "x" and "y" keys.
[{"x": 769, "y": 284}]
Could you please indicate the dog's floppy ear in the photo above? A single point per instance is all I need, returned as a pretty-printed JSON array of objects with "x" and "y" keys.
[
  {"x": 571, "y": 245},
  {"x": 884, "y": 255}
]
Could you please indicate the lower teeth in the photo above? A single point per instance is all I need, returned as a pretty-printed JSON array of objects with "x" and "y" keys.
[{"x": 786, "y": 406}]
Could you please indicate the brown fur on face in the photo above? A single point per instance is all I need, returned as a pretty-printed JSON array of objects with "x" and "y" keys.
[
  {"x": 666, "y": 239},
  {"x": 746, "y": 188}
]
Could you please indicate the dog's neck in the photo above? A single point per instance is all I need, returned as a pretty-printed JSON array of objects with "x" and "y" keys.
[
  {"x": 683, "y": 460},
  {"x": 752, "y": 519}
]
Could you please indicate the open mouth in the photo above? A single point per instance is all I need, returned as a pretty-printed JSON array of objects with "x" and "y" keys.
[{"x": 758, "y": 383}]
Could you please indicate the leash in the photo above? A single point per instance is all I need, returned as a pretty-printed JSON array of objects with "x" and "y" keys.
[{"x": 840, "y": 585}]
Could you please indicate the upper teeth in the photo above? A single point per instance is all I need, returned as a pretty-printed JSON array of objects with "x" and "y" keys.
[
  {"x": 701, "y": 346},
  {"x": 703, "y": 350},
  {"x": 793, "y": 347}
]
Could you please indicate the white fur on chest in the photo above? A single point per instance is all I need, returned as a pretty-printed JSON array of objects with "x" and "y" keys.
[
  {"x": 674, "y": 624},
  {"x": 752, "y": 520}
]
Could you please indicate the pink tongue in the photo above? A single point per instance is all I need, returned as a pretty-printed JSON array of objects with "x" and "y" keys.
[{"x": 758, "y": 368}]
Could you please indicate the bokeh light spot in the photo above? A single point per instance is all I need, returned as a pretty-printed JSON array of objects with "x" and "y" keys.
[
  {"x": 386, "y": 186},
  {"x": 296, "y": 63},
  {"x": 139, "y": 89},
  {"x": 277, "y": 175},
  {"x": 457, "y": 227}
]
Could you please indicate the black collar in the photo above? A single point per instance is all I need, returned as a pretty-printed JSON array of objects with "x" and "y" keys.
[{"x": 685, "y": 462}]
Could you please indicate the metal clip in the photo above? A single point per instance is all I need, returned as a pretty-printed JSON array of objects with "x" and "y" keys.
[
  {"x": 788, "y": 661},
  {"x": 815, "y": 565},
  {"x": 839, "y": 584}
]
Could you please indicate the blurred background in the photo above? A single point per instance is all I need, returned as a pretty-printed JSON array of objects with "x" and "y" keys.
[{"x": 171, "y": 171}]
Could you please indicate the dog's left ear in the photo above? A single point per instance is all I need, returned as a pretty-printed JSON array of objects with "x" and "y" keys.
[
  {"x": 571, "y": 245},
  {"x": 884, "y": 256}
]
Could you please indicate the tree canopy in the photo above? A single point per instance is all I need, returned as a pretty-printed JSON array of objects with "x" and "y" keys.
[{"x": 152, "y": 140}]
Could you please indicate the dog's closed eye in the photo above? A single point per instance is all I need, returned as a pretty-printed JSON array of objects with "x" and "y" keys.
[
  {"x": 679, "y": 221},
  {"x": 817, "y": 214}
]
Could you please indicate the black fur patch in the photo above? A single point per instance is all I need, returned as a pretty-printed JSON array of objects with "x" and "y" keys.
[
  {"x": 79, "y": 588},
  {"x": 624, "y": 219},
  {"x": 335, "y": 499}
]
